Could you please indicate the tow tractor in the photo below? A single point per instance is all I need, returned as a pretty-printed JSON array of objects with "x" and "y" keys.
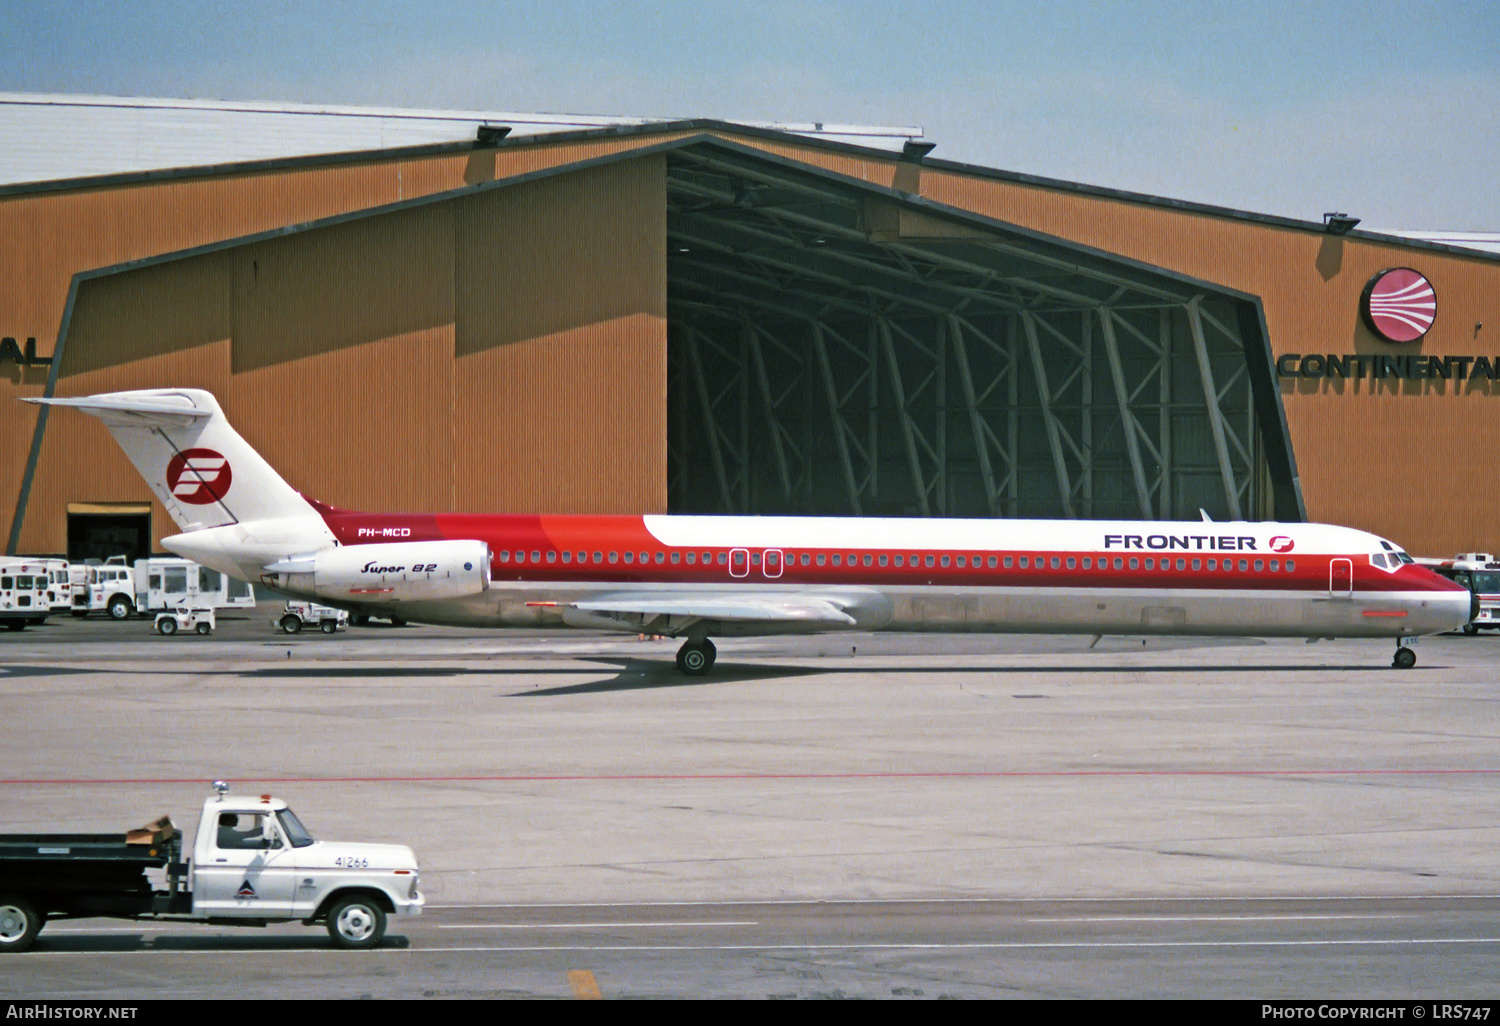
[
  {"x": 297, "y": 615},
  {"x": 253, "y": 863},
  {"x": 182, "y": 618}
]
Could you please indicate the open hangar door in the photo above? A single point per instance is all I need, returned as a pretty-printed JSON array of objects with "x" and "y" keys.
[{"x": 839, "y": 348}]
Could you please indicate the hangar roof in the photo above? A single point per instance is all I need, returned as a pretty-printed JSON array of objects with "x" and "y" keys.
[{"x": 532, "y": 129}]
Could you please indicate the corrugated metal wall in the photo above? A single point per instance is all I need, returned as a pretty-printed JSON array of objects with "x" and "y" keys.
[
  {"x": 463, "y": 355},
  {"x": 576, "y": 301},
  {"x": 1409, "y": 460}
]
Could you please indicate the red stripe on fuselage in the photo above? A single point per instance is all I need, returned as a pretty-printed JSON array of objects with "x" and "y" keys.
[{"x": 542, "y": 541}]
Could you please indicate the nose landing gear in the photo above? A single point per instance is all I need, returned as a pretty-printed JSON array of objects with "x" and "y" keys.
[
  {"x": 1405, "y": 658},
  {"x": 695, "y": 658}
]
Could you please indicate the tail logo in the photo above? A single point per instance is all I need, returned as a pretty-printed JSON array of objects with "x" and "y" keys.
[{"x": 198, "y": 476}]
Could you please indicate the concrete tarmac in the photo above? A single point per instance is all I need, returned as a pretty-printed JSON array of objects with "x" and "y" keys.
[{"x": 539, "y": 770}]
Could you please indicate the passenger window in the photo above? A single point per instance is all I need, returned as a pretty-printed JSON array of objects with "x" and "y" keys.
[
  {"x": 723, "y": 558},
  {"x": 1072, "y": 563},
  {"x": 1260, "y": 565},
  {"x": 868, "y": 560},
  {"x": 536, "y": 555},
  {"x": 959, "y": 560},
  {"x": 1197, "y": 564},
  {"x": 661, "y": 557},
  {"x": 645, "y": 557},
  {"x": 676, "y": 558},
  {"x": 838, "y": 560},
  {"x": 900, "y": 561},
  {"x": 598, "y": 557},
  {"x": 614, "y": 557},
  {"x": 552, "y": 556},
  {"x": 1275, "y": 566},
  {"x": 1088, "y": 564},
  {"x": 884, "y": 559},
  {"x": 1135, "y": 563},
  {"x": 805, "y": 560},
  {"x": 1025, "y": 563},
  {"x": 1056, "y": 562},
  {"x": 928, "y": 560},
  {"x": 946, "y": 561},
  {"x": 1291, "y": 565},
  {"x": 630, "y": 557},
  {"x": 1244, "y": 565},
  {"x": 822, "y": 559},
  {"x": 755, "y": 559},
  {"x": 692, "y": 558},
  {"x": 1009, "y": 562},
  {"x": 993, "y": 562},
  {"x": 1181, "y": 563}
]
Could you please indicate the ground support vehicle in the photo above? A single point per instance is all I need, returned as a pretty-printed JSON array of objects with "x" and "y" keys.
[
  {"x": 164, "y": 583},
  {"x": 110, "y": 588},
  {"x": 59, "y": 585},
  {"x": 253, "y": 863},
  {"x": 23, "y": 593},
  {"x": 298, "y": 615},
  {"x": 183, "y": 618},
  {"x": 1480, "y": 573}
]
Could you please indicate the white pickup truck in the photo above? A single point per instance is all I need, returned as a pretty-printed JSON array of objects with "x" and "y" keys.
[{"x": 253, "y": 863}]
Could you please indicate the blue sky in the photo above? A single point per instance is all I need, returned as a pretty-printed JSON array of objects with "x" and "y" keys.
[{"x": 1390, "y": 111}]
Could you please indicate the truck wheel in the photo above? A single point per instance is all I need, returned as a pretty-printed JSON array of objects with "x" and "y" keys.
[
  {"x": 356, "y": 922},
  {"x": 167, "y": 627},
  {"x": 20, "y": 922},
  {"x": 204, "y": 629},
  {"x": 329, "y": 626},
  {"x": 290, "y": 624},
  {"x": 120, "y": 608},
  {"x": 1471, "y": 629}
]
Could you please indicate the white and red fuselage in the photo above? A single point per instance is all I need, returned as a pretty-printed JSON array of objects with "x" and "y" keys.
[
  {"x": 701, "y": 576},
  {"x": 1065, "y": 576}
]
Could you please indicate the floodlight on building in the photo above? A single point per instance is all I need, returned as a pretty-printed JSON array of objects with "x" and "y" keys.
[
  {"x": 915, "y": 149},
  {"x": 1338, "y": 223},
  {"x": 489, "y": 135}
]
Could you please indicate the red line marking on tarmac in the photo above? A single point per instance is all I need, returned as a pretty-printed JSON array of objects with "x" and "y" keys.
[{"x": 521, "y": 778}]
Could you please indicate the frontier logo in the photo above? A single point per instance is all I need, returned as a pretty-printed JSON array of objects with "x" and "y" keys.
[
  {"x": 1281, "y": 543},
  {"x": 198, "y": 476}
]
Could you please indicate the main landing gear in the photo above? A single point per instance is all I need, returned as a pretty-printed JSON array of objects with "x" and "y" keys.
[
  {"x": 1405, "y": 659},
  {"x": 695, "y": 658}
]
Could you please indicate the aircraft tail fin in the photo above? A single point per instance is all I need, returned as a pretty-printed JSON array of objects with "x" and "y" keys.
[{"x": 197, "y": 465}]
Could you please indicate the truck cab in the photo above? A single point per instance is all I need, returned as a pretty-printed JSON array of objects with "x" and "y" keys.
[{"x": 253, "y": 859}]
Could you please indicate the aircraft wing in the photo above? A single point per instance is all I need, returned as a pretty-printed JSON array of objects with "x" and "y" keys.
[{"x": 633, "y": 609}]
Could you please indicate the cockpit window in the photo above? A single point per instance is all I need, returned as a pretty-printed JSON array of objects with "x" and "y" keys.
[
  {"x": 296, "y": 833},
  {"x": 1378, "y": 559}
]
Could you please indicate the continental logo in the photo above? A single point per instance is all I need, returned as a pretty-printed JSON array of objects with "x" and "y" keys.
[
  {"x": 1399, "y": 304},
  {"x": 1188, "y": 542}
]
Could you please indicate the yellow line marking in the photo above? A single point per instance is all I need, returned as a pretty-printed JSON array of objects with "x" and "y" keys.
[{"x": 585, "y": 987}]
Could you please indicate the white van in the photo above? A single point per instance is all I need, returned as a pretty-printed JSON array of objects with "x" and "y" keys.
[{"x": 23, "y": 593}]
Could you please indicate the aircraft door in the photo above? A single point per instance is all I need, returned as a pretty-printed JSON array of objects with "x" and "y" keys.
[
  {"x": 739, "y": 562},
  {"x": 773, "y": 563},
  {"x": 1341, "y": 578},
  {"x": 249, "y": 867}
]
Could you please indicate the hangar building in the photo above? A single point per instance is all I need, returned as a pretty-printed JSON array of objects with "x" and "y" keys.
[{"x": 696, "y": 316}]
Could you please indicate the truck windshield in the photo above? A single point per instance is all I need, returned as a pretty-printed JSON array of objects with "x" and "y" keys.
[{"x": 296, "y": 833}]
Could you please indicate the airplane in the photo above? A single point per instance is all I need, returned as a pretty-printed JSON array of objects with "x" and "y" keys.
[{"x": 699, "y": 577}]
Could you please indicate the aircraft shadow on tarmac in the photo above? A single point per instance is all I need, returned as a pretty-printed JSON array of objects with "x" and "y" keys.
[
  {"x": 85, "y": 943},
  {"x": 642, "y": 674}
]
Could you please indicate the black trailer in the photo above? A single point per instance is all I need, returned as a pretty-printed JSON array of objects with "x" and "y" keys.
[{"x": 63, "y": 876}]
